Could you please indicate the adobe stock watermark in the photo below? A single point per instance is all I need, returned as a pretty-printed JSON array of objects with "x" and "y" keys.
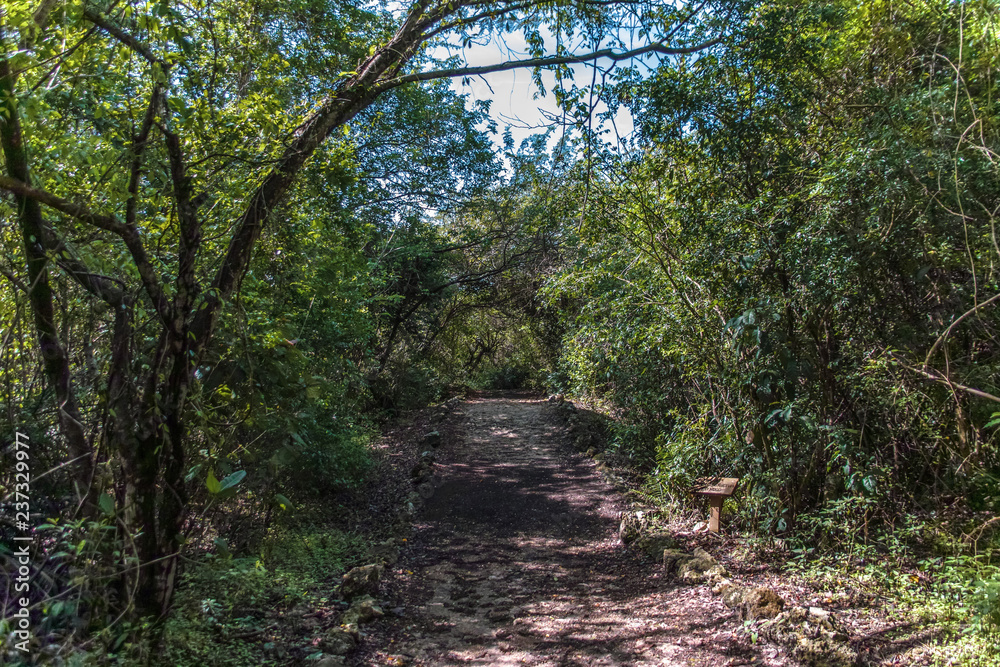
[{"x": 21, "y": 620}]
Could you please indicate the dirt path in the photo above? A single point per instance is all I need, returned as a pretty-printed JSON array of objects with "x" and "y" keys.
[{"x": 516, "y": 561}]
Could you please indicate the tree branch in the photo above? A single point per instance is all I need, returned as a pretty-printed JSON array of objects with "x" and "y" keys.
[
  {"x": 375, "y": 76},
  {"x": 547, "y": 61},
  {"x": 78, "y": 211},
  {"x": 190, "y": 229},
  {"x": 130, "y": 235},
  {"x": 97, "y": 284},
  {"x": 937, "y": 376},
  {"x": 55, "y": 359},
  {"x": 14, "y": 280},
  {"x": 139, "y": 143},
  {"x": 128, "y": 40},
  {"x": 954, "y": 324}
]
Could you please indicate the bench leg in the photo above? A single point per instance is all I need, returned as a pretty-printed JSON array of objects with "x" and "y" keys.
[{"x": 713, "y": 523}]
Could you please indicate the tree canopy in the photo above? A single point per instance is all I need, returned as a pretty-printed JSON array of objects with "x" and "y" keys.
[{"x": 238, "y": 234}]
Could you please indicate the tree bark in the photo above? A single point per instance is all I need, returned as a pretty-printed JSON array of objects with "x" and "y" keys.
[{"x": 55, "y": 360}]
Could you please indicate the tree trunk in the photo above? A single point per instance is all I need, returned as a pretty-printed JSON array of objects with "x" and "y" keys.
[{"x": 55, "y": 360}]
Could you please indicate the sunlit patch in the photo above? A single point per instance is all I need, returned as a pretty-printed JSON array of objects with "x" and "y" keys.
[{"x": 521, "y": 563}]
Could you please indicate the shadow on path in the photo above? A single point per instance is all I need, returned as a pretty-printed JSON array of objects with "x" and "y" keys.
[{"x": 516, "y": 561}]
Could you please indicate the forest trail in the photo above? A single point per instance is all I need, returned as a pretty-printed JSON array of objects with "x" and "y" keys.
[{"x": 516, "y": 561}]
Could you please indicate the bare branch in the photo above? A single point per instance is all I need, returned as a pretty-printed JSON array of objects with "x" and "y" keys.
[
  {"x": 470, "y": 20},
  {"x": 938, "y": 376},
  {"x": 547, "y": 61},
  {"x": 954, "y": 324}
]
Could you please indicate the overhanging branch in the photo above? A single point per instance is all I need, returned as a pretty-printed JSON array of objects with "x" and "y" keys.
[{"x": 548, "y": 61}]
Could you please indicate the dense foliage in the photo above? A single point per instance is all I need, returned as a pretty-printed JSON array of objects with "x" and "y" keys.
[
  {"x": 237, "y": 236},
  {"x": 807, "y": 245},
  {"x": 792, "y": 279}
]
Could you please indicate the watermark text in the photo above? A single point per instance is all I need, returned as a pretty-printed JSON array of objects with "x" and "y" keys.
[{"x": 22, "y": 547}]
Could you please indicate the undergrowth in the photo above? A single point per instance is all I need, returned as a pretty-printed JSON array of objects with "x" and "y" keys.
[
  {"x": 242, "y": 611},
  {"x": 932, "y": 577},
  {"x": 933, "y": 574}
]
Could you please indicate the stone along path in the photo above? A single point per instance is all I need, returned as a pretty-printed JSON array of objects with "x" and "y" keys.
[{"x": 516, "y": 561}]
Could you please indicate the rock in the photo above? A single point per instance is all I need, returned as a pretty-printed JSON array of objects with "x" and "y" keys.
[
  {"x": 654, "y": 545},
  {"x": 363, "y": 610},
  {"x": 672, "y": 558},
  {"x": 331, "y": 661},
  {"x": 698, "y": 573},
  {"x": 386, "y": 552},
  {"x": 426, "y": 490},
  {"x": 361, "y": 581},
  {"x": 338, "y": 641},
  {"x": 761, "y": 603},
  {"x": 813, "y": 638},
  {"x": 732, "y": 596},
  {"x": 722, "y": 586},
  {"x": 432, "y": 439},
  {"x": 421, "y": 471},
  {"x": 700, "y": 568},
  {"x": 631, "y": 526},
  {"x": 821, "y": 615},
  {"x": 427, "y": 457},
  {"x": 499, "y": 615},
  {"x": 299, "y": 610}
]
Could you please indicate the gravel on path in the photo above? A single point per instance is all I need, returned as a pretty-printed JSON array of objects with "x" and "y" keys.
[{"x": 516, "y": 560}]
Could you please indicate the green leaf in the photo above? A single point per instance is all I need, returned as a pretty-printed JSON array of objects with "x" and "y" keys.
[
  {"x": 106, "y": 503},
  {"x": 232, "y": 480},
  {"x": 212, "y": 483},
  {"x": 222, "y": 546},
  {"x": 193, "y": 472},
  {"x": 283, "y": 502}
]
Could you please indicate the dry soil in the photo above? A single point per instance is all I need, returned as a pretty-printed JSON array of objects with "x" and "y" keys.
[{"x": 516, "y": 560}]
